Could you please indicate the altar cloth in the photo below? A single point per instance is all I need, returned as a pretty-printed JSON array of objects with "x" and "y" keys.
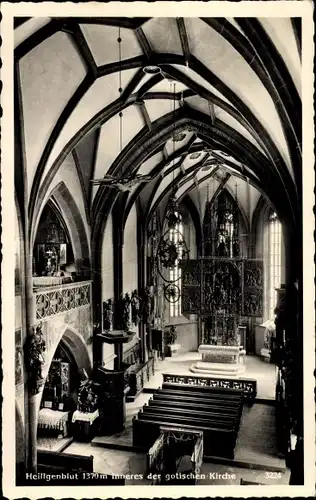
[
  {"x": 85, "y": 417},
  {"x": 53, "y": 419}
]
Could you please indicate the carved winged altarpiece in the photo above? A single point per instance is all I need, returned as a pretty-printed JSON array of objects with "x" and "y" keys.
[{"x": 220, "y": 290}]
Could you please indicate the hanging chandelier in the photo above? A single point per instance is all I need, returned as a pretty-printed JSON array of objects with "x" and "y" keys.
[
  {"x": 173, "y": 216},
  {"x": 121, "y": 182},
  {"x": 172, "y": 250}
]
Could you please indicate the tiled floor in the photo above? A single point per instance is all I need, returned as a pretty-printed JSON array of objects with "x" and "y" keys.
[{"x": 256, "y": 368}]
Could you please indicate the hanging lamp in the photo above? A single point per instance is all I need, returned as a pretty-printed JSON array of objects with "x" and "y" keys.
[
  {"x": 173, "y": 216},
  {"x": 121, "y": 182}
]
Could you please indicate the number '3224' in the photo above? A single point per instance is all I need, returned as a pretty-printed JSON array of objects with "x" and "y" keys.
[{"x": 273, "y": 475}]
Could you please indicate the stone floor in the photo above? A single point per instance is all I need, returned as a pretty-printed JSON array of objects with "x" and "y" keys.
[
  {"x": 108, "y": 461},
  {"x": 255, "y": 368},
  {"x": 256, "y": 441},
  {"x": 255, "y": 454},
  {"x": 255, "y": 444},
  {"x": 53, "y": 443}
]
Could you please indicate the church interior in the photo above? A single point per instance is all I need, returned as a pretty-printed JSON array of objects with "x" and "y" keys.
[{"x": 158, "y": 250}]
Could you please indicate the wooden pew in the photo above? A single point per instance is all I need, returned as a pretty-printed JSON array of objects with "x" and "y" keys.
[
  {"x": 50, "y": 460},
  {"x": 201, "y": 394},
  {"x": 186, "y": 419},
  {"x": 189, "y": 398},
  {"x": 216, "y": 411},
  {"x": 214, "y": 391},
  {"x": 219, "y": 440},
  {"x": 65, "y": 469},
  {"x": 192, "y": 413},
  {"x": 198, "y": 404}
]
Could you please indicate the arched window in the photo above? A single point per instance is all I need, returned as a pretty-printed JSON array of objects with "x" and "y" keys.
[
  {"x": 175, "y": 235},
  {"x": 273, "y": 261},
  {"x": 221, "y": 227}
]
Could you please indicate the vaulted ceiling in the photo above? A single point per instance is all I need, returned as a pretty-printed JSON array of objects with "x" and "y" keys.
[{"x": 205, "y": 103}]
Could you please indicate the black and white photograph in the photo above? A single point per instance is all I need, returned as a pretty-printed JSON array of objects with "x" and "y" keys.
[{"x": 157, "y": 201}]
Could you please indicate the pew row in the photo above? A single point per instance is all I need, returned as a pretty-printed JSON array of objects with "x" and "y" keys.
[
  {"x": 185, "y": 404},
  {"x": 202, "y": 396},
  {"x": 195, "y": 415}
]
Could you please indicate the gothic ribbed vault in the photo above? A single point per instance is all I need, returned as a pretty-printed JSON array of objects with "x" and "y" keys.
[{"x": 228, "y": 88}]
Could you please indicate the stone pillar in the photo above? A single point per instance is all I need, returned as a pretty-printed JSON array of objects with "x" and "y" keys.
[
  {"x": 141, "y": 251},
  {"x": 117, "y": 263},
  {"x": 31, "y": 417}
]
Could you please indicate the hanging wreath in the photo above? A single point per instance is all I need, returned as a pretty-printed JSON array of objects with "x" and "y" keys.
[
  {"x": 172, "y": 293},
  {"x": 170, "y": 254},
  {"x": 35, "y": 347},
  {"x": 87, "y": 398}
]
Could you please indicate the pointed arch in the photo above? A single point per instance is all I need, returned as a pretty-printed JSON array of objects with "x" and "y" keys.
[{"x": 64, "y": 204}]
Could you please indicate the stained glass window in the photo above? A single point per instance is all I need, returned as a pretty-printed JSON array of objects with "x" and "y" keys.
[
  {"x": 274, "y": 261},
  {"x": 175, "y": 235}
]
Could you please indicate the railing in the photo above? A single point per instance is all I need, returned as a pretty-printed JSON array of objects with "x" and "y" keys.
[
  {"x": 248, "y": 386},
  {"x": 62, "y": 298}
]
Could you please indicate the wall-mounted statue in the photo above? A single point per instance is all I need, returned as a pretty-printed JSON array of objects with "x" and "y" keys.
[
  {"x": 135, "y": 303},
  {"x": 35, "y": 347},
  {"x": 126, "y": 303},
  {"x": 87, "y": 397},
  {"x": 148, "y": 307},
  {"x": 108, "y": 315}
]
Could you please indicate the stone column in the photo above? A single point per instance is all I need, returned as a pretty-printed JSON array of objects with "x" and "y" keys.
[
  {"x": 141, "y": 258},
  {"x": 30, "y": 316},
  {"x": 117, "y": 262}
]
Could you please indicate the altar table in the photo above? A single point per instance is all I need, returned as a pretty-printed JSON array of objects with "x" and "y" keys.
[
  {"x": 85, "y": 425},
  {"x": 53, "y": 419},
  {"x": 221, "y": 353}
]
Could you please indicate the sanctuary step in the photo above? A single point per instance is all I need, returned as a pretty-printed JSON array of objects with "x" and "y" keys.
[
  {"x": 225, "y": 369},
  {"x": 221, "y": 360}
]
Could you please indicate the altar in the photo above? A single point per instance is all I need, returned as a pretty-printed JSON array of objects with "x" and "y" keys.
[
  {"x": 224, "y": 293},
  {"x": 224, "y": 360},
  {"x": 221, "y": 353},
  {"x": 53, "y": 422}
]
